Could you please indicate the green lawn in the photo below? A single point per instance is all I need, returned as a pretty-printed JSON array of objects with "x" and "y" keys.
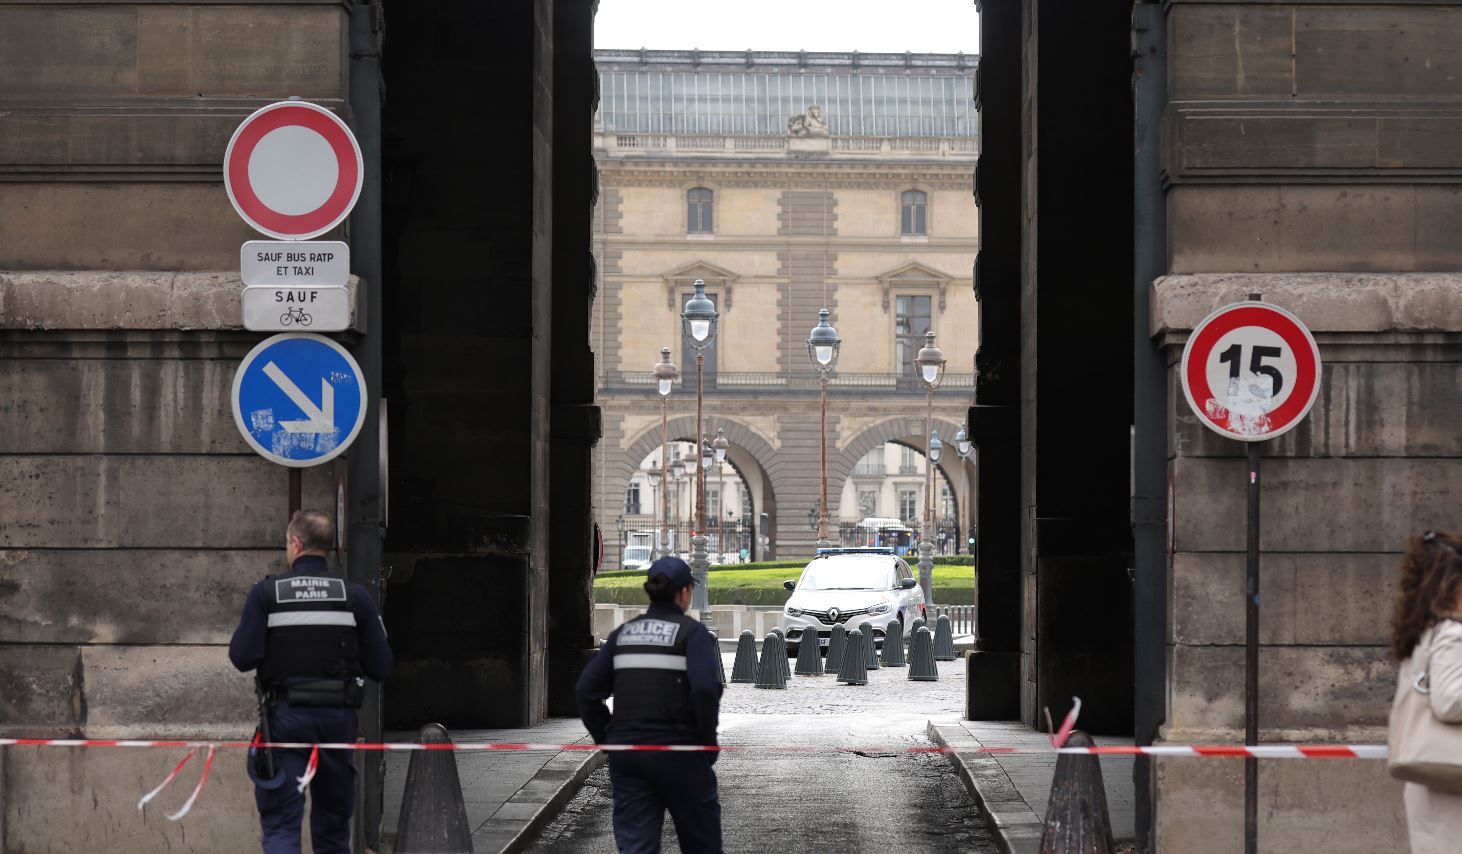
[{"x": 761, "y": 584}]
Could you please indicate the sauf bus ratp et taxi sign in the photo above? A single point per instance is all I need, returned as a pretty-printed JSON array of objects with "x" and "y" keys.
[{"x": 293, "y": 171}]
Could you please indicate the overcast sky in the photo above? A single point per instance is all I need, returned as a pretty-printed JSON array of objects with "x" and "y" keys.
[{"x": 892, "y": 26}]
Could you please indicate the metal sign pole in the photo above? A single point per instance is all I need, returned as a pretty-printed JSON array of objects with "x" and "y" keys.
[
  {"x": 295, "y": 490},
  {"x": 1251, "y": 658}
]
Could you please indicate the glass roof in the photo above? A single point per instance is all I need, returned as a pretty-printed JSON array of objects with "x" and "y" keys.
[{"x": 686, "y": 92}]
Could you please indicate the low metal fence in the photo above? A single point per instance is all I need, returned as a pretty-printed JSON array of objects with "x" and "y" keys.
[{"x": 961, "y": 617}]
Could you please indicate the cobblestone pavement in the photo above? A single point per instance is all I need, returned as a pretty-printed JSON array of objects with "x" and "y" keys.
[{"x": 873, "y": 800}]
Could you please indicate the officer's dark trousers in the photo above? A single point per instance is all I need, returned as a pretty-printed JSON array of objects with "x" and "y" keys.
[
  {"x": 647, "y": 784},
  {"x": 332, "y": 792}
]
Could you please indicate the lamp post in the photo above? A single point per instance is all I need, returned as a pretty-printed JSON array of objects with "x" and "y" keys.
[
  {"x": 822, "y": 348},
  {"x": 677, "y": 471},
  {"x": 699, "y": 319},
  {"x": 964, "y": 447},
  {"x": 652, "y": 476},
  {"x": 936, "y": 453},
  {"x": 665, "y": 374},
  {"x": 719, "y": 447},
  {"x": 930, "y": 364}
]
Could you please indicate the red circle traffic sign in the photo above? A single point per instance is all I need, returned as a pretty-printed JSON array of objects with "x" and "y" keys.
[
  {"x": 1251, "y": 371},
  {"x": 293, "y": 170}
]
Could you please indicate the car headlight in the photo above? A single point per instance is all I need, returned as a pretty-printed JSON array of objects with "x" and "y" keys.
[
  {"x": 880, "y": 608},
  {"x": 793, "y": 612}
]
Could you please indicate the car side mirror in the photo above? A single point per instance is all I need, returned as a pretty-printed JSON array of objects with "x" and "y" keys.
[
  {"x": 790, "y": 585},
  {"x": 908, "y": 583}
]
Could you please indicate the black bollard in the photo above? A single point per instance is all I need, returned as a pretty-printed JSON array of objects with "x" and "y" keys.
[
  {"x": 773, "y": 657},
  {"x": 921, "y": 657},
  {"x": 893, "y": 644},
  {"x": 944, "y": 640},
  {"x": 744, "y": 668},
  {"x": 433, "y": 817},
  {"x": 855, "y": 661},
  {"x": 720, "y": 662},
  {"x": 809, "y": 655},
  {"x": 835, "y": 646},
  {"x": 786, "y": 664},
  {"x": 870, "y": 644},
  {"x": 1076, "y": 814}
]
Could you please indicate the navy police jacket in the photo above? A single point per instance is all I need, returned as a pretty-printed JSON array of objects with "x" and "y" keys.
[
  {"x": 290, "y": 622},
  {"x": 663, "y": 672}
]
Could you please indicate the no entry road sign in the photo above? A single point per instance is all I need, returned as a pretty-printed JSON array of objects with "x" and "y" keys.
[
  {"x": 1251, "y": 371},
  {"x": 299, "y": 399},
  {"x": 293, "y": 170}
]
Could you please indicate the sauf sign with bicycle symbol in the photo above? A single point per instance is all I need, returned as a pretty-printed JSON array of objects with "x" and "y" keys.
[{"x": 1251, "y": 371}]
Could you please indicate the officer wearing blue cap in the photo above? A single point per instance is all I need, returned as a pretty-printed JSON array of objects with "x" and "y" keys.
[
  {"x": 663, "y": 670},
  {"x": 313, "y": 637}
]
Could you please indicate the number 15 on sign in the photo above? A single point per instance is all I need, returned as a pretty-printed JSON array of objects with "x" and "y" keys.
[{"x": 1251, "y": 371}]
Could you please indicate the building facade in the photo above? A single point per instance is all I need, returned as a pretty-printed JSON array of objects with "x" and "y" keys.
[{"x": 788, "y": 182}]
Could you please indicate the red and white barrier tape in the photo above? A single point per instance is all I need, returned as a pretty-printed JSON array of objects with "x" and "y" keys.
[{"x": 1261, "y": 751}]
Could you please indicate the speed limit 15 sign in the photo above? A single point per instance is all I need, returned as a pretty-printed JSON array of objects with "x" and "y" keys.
[{"x": 1251, "y": 371}]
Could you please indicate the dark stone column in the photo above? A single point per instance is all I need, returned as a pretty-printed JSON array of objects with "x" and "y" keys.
[
  {"x": 574, "y": 415},
  {"x": 467, "y": 240},
  {"x": 1077, "y": 386},
  {"x": 994, "y": 420}
]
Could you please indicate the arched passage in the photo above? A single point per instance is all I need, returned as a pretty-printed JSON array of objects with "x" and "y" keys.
[
  {"x": 910, "y": 433},
  {"x": 750, "y": 454}
]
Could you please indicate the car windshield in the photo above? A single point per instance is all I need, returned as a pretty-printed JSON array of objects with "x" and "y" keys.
[{"x": 847, "y": 575}]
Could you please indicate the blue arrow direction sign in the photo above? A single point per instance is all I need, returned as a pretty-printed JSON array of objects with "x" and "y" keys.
[{"x": 299, "y": 399}]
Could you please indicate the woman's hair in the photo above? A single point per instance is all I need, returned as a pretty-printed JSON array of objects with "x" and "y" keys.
[
  {"x": 660, "y": 590},
  {"x": 1430, "y": 573}
]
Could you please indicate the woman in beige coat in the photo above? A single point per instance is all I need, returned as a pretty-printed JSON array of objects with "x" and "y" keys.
[{"x": 1426, "y": 636}]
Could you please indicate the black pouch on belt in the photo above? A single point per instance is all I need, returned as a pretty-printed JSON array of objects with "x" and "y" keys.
[{"x": 326, "y": 692}]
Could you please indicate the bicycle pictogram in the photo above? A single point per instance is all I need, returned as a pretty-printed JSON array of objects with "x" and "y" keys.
[{"x": 295, "y": 315}]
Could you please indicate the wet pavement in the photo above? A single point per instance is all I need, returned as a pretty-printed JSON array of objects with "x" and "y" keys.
[{"x": 860, "y": 794}]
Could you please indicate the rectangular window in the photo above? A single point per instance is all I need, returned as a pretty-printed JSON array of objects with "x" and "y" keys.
[
  {"x": 907, "y": 464},
  {"x": 713, "y": 504},
  {"x": 912, "y": 318},
  {"x": 698, "y": 205},
  {"x": 909, "y": 505},
  {"x": 867, "y": 503},
  {"x": 632, "y": 500}
]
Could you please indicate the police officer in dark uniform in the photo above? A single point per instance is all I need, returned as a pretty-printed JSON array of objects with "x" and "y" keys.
[
  {"x": 314, "y": 638},
  {"x": 664, "y": 671}
]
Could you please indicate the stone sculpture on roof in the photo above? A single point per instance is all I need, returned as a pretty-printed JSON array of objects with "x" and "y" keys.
[{"x": 809, "y": 123}]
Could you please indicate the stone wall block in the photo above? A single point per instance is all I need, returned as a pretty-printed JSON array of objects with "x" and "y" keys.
[
  {"x": 1337, "y": 302},
  {"x": 1370, "y": 409},
  {"x": 130, "y": 596},
  {"x": 1380, "y": 51},
  {"x": 191, "y": 501},
  {"x": 86, "y": 800},
  {"x": 172, "y": 225},
  {"x": 1252, "y": 58},
  {"x": 40, "y": 691},
  {"x": 1200, "y": 806},
  {"x": 1346, "y": 505},
  {"x": 1314, "y": 598},
  {"x": 90, "y": 51},
  {"x": 1319, "y": 691},
  {"x": 134, "y": 691}
]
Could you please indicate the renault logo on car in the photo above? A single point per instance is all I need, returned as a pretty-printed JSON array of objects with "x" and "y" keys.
[{"x": 833, "y": 614}]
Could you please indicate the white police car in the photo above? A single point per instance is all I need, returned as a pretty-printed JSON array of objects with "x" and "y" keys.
[{"x": 852, "y": 586}]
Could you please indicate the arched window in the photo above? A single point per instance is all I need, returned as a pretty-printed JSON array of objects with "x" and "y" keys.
[
  {"x": 915, "y": 218},
  {"x": 698, "y": 204}
]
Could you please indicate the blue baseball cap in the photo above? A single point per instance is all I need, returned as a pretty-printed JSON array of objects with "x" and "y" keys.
[{"x": 675, "y": 570}]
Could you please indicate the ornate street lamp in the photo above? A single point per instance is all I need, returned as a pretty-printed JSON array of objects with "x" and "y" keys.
[
  {"x": 964, "y": 448},
  {"x": 665, "y": 374},
  {"x": 930, "y": 364},
  {"x": 823, "y": 346},
  {"x": 652, "y": 476},
  {"x": 699, "y": 318}
]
